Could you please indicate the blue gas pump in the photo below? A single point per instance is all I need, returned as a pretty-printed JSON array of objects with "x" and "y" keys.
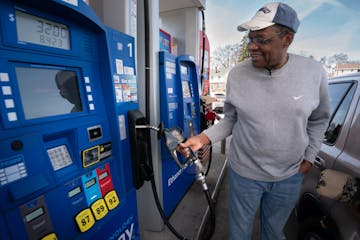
[
  {"x": 180, "y": 106},
  {"x": 66, "y": 83}
]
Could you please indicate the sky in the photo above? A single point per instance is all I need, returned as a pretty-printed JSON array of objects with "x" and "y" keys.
[{"x": 327, "y": 27}]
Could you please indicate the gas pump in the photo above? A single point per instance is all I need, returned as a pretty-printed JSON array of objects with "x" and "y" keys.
[
  {"x": 180, "y": 109},
  {"x": 66, "y": 84},
  {"x": 180, "y": 106}
]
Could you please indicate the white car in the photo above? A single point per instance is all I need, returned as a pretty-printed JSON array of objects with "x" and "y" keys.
[{"x": 218, "y": 105}]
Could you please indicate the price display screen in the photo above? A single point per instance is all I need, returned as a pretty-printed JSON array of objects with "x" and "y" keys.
[
  {"x": 36, "y": 30},
  {"x": 34, "y": 214},
  {"x": 103, "y": 175}
]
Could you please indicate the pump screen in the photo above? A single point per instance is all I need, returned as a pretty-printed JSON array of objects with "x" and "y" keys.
[
  {"x": 36, "y": 30},
  {"x": 103, "y": 175},
  {"x": 186, "y": 89},
  {"x": 48, "y": 92},
  {"x": 34, "y": 214},
  {"x": 184, "y": 70},
  {"x": 74, "y": 192},
  {"x": 90, "y": 183}
]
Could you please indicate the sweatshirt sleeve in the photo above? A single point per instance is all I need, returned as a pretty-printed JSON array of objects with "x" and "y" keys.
[
  {"x": 318, "y": 121},
  {"x": 224, "y": 127}
]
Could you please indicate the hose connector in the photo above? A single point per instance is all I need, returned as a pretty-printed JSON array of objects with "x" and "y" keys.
[{"x": 200, "y": 176}]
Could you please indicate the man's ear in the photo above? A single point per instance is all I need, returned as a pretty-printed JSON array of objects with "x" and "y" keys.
[{"x": 288, "y": 38}]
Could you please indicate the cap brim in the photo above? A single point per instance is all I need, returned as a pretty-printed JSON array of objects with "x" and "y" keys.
[{"x": 254, "y": 25}]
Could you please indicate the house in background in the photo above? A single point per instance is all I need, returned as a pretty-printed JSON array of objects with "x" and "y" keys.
[
  {"x": 218, "y": 81},
  {"x": 344, "y": 69}
]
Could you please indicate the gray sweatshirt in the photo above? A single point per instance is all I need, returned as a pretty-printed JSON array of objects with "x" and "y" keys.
[{"x": 277, "y": 118}]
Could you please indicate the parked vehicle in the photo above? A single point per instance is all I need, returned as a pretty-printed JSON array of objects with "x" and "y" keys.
[
  {"x": 324, "y": 218},
  {"x": 218, "y": 105}
]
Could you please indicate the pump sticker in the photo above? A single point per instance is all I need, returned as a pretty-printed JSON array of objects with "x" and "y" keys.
[
  {"x": 118, "y": 93},
  {"x": 126, "y": 87},
  {"x": 126, "y": 92},
  {"x": 119, "y": 66},
  {"x": 122, "y": 127},
  {"x": 117, "y": 88},
  {"x": 129, "y": 87},
  {"x": 129, "y": 70},
  {"x": 105, "y": 150}
]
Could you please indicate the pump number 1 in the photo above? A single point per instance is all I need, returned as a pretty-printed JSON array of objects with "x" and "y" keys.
[{"x": 130, "y": 49}]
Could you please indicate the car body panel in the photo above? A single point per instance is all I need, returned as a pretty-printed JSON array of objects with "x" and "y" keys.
[{"x": 342, "y": 155}]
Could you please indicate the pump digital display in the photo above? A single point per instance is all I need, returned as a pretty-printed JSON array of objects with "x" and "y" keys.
[
  {"x": 90, "y": 183},
  {"x": 103, "y": 175},
  {"x": 36, "y": 30},
  {"x": 74, "y": 192},
  {"x": 48, "y": 92},
  {"x": 34, "y": 214}
]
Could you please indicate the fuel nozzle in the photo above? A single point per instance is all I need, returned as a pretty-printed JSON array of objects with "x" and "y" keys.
[{"x": 173, "y": 137}]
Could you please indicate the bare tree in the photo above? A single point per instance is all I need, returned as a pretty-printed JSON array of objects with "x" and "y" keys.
[{"x": 225, "y": 57}]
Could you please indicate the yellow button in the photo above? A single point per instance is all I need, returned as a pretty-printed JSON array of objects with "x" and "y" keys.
[
  {"x": 99, "y": 209},
  {"x": 112, "y": 200},
  {"x": 85, "y": 220},
  {"x": 51, "y": 236}
]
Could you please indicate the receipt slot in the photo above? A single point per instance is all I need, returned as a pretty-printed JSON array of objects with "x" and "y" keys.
[
  {"x": 66, "y": 83},
  {"x": 180, "y": 107}
]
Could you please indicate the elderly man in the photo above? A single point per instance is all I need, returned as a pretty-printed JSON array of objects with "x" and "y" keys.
[{"x": 276, "y": 110}]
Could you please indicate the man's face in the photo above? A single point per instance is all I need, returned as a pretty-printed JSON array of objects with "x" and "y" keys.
[{"x": 268, "y": 47}]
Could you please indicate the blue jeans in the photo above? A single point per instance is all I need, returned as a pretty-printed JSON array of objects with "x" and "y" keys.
[{"x": 275, "y": 199}]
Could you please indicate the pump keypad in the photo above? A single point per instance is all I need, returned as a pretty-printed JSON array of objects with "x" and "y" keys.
[{"x": 59, "y": 157}]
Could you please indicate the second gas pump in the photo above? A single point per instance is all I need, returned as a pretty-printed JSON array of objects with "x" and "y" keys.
[
  {"x": 180, "y": 106},
  {"x": 180, "y": 119}
]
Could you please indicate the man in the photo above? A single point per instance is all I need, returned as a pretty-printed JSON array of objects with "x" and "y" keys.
[{"x": 277, "y": 110}]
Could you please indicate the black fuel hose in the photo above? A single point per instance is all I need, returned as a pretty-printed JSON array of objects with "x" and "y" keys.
[
  {"x": 209, "y": 161},
  {"x": 161, "y": 211},
  {"x": 211, "y": 228}
]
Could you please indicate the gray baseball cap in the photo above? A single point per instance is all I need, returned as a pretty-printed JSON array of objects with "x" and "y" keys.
[{"x": 270, "y": 14}]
